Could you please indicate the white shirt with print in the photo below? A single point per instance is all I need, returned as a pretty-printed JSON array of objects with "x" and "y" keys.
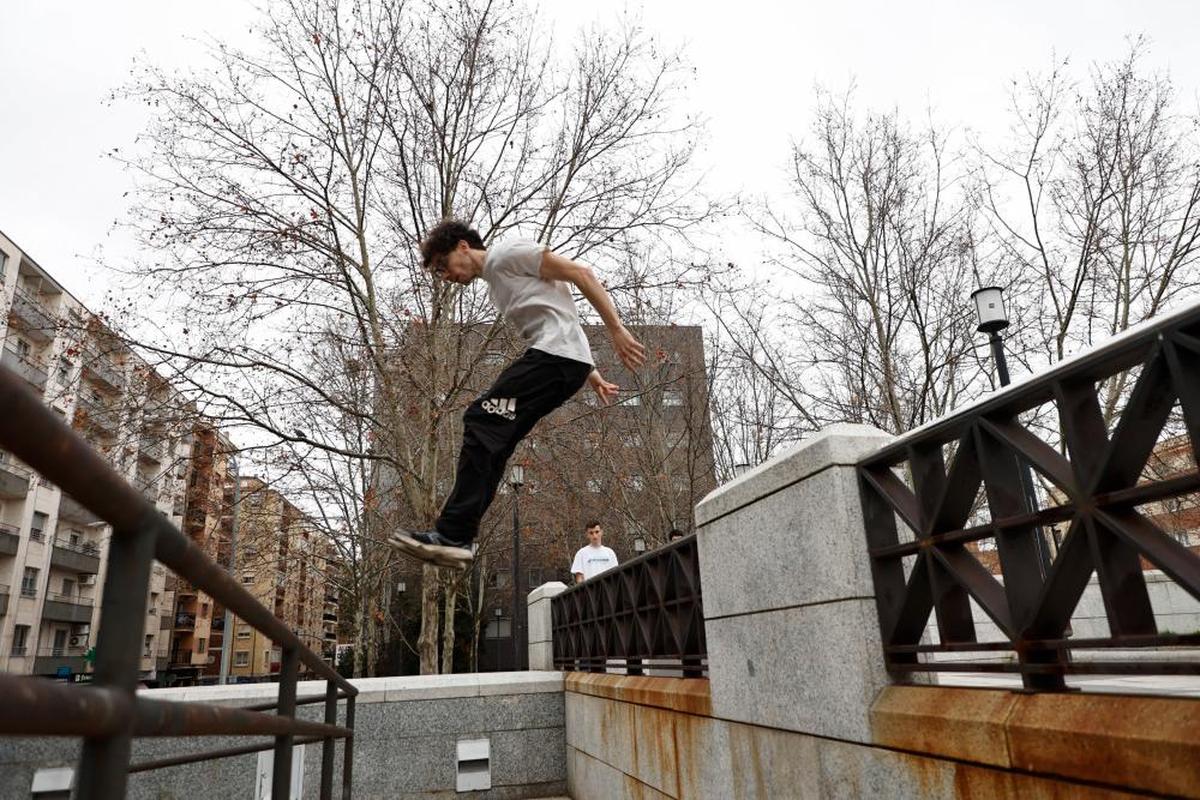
[
  {"x": 591, "y": 561},
  {"x": 542, "y": 311}
]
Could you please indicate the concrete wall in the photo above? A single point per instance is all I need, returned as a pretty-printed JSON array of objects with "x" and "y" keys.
[
  {"x": 406, "y": 734},
  {"x": 793, "y": 704},
  {"x": 656, "y": 738}
]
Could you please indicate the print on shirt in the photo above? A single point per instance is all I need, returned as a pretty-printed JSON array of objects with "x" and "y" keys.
[{"x": 503, "y": 406}]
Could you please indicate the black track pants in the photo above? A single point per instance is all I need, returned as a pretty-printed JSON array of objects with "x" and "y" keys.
[{"x": 529, "y": 389}]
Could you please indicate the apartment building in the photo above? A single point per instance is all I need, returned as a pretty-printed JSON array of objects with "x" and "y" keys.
[
  {"x": 285, "y": 562},
  {"x": 53, "y": 552}
]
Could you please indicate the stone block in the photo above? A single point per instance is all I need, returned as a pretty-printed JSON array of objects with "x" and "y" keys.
[
  {"x": 541, "y": 655},
  {"x": 547, "y": 590},
  {"x": 764, "y": 760},
  {"x": 431, "y": 687},
  {"x": 532, "y": 682},
  {"x": 706, "y": 760},
  {"x": 592, "y": 779},
  {"x": 842, "y": 444},
  {"x": 813, "y": 669},
  {"x": 1146, "y": 743},
  {"x": 528, "y": 756},
  {"x": 805, "y": 544},
  {"x": 967, "y": 724},
  {"x": 601, "y": 728}
]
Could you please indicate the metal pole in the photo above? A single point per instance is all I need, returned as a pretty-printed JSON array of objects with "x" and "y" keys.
[
  {"x": 227, "y": 635},
  {"x": 281, "y": 776},
  {"x": 515, "y": 626},
  {"x": 104, "y": 764},
  {"x": 348, "y": 751},
  {"x": 327, "y": 747},
  {"x": 1027, "y": 485}
]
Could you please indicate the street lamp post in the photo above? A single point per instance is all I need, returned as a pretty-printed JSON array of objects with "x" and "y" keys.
[
  {"x": 989, "y": 305},
  {"x": 516, "y": 477}
]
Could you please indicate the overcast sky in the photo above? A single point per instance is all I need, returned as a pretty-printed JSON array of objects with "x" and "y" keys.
[{"x": 757, "y": 63}]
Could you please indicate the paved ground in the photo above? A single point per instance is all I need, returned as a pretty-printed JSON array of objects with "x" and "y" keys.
[{"x": 1174, "y": 685}]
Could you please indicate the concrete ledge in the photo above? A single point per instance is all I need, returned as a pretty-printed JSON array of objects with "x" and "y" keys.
[
  {"x": 842, "y": 444},
  {"x": 957, "y": 723},
  {"x": 376, "y": 690},
  {"x": 689, "y": 695},
  {"x": 1150, "y": 743},
  {"x": 1142, "y": 743}
]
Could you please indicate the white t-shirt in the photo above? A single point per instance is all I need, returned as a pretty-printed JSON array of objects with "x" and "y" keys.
[
  {"x": 591, "y": 561},
  {"x": 543, "y": 312}
]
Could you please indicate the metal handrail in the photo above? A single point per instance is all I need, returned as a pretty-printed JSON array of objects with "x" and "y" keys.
[
  {"x": 1100, "y": 479},
  {"x": 73, "y": 599},
  {"x": 595, "y": 623},
  {"x": 85, "y": 548},
  {"x": 108, "y": 714}
]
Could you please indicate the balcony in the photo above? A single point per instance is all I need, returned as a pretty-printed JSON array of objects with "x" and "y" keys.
[
  {"x": 330, "y": 636},
  {"x": 97, "y": 416},
  {"x": 185, "y": 621},
  {"x": 36, "y": 319},
  {"x": 70, "y": 509},
  {"x": 182, "y": 658},
  {"x": 3, "y": 599},
  {"x": 49, "y": 660},
  {"x": 10, "y": 538},
  {"x": 76, "y": 556},
  {"x": 68, "y": 608},
  {"x": 328, "y": 617},
  {"x": 101, "y": 370},
  {"x": 32, "y": 369},
  {"x": 14, "y": 478},
  {"x": 151, "y": 451}
]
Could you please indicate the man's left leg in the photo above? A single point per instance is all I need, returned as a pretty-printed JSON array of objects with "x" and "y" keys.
[{"x": 493, "y": 425}]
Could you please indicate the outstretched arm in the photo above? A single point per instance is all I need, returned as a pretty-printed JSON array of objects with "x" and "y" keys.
[{"x": 557, "y": 268}]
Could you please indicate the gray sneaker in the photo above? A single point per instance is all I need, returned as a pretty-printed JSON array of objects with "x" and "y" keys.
[{"x": 431, "y": 546}]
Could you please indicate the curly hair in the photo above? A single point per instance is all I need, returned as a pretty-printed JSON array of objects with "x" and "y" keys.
[{"x": 445, "y": 236}]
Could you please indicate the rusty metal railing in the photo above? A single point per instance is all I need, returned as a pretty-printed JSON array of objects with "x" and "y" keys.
[
  {"x": 646, "y": 614},
  {"x": 108, "y": 714},
  {"x": 1114, "y": 491}
]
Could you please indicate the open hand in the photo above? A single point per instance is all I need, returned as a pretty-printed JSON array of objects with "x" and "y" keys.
[
  {"x": 629, "y": 349},
  {"x": 607, "y": 392}
]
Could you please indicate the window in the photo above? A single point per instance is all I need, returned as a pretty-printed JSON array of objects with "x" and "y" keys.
[
  {"x": 498, "y": 629},
  {"x": 594, "y": 485},
  {"x": 64, "y": 371},
  {"x": 535, "y": 578},
  {"x": 672, "y": 397},
  {"x": 629, "y": 399},
  {"x": 68, "y": 587},
  {"x": 37, "y": 528},
  {"x": 241, "y": 658},
  {"x": 20, "y": 637},
  {"x": 243, "y": 633},
  {"x": 149, "y": 646},
  {"x": 29, "y": 582},
  {"x": 204, "y": 609},
  {"x": 201, "y": 645},
  {"x": 247, "y": 577},
  {"x": 23, "y": 348}
]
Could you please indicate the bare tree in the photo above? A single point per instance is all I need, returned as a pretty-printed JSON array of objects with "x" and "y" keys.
[
  {"x": 282, "y": 192},
  {"x": 1095, "y": 201},
  {"x": 871, "y": 323}
]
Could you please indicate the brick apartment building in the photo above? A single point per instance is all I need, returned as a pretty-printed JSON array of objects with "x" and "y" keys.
[
  {"x": 638, "y": 466},
  {"x": 53, "y": 552}
]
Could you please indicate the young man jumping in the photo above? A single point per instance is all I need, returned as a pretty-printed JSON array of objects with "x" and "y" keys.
[{"x": 531, "y": 288}]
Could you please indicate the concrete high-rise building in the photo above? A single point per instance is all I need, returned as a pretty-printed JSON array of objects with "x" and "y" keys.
[
  {"x": 284, "y": 561},
  {"x": 53, "y": 552}
]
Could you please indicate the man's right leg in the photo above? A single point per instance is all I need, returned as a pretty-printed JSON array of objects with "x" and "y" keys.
[{"x": 493, "y": 425}]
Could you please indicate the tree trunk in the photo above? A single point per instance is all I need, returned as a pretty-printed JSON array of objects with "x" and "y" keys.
[
  {"x": 448, "y": 627},
  {"x": 427, "y": 642}
]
